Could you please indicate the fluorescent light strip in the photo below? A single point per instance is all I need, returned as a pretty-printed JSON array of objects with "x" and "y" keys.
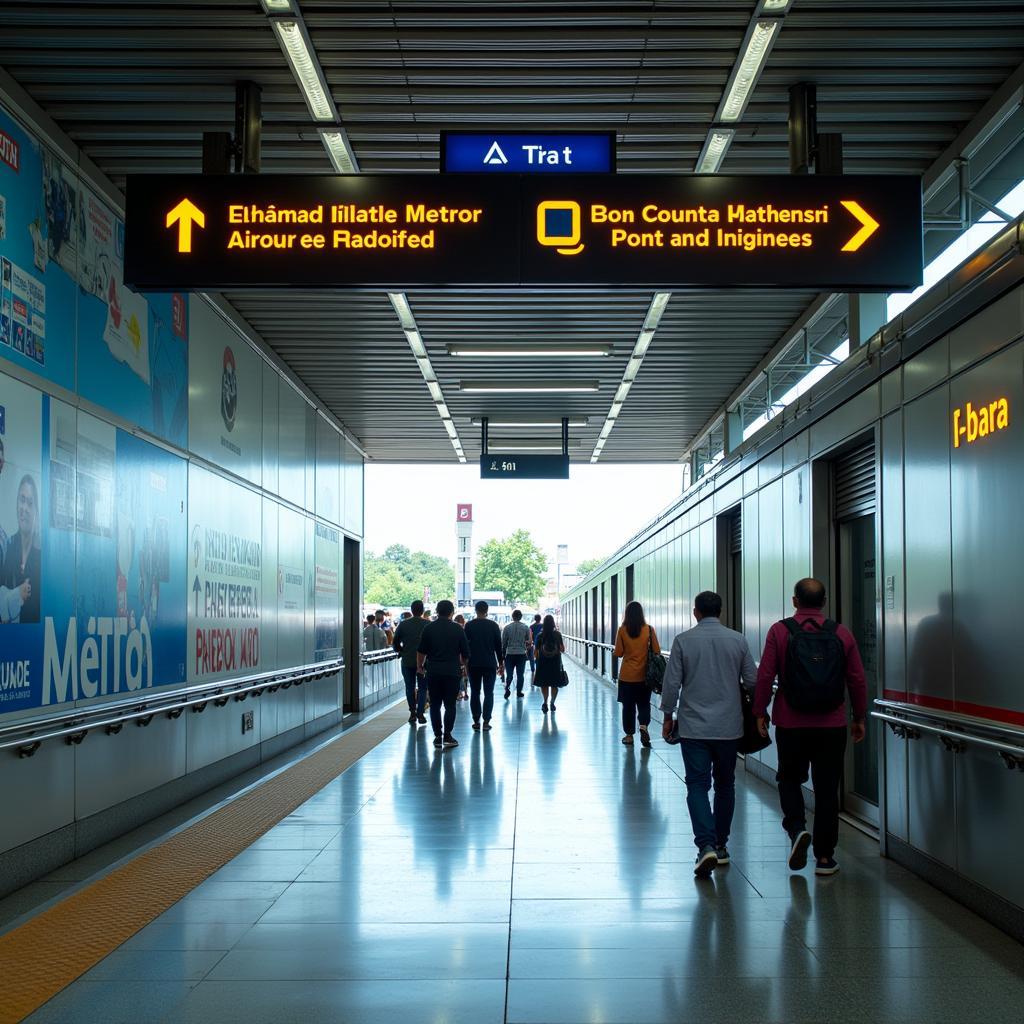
[
  {"x": 749, "y": 68},
  {"x": 294, "y": 40},
  {"x": 339, "y": 149},
  {"x": 470, "y": 387},
  {"x": 715, "y": 147},
  {"x": 515, "y": 351},
  {"x": 659, "y": 303},
  {"x": 513, "y": 449},
  {"x": 277, "y": 6},
  {"x": 412, "y": 335},
  {"x": 477, "y": 421}
]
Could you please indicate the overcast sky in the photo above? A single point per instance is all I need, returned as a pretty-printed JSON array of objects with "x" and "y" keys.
[{"x": 593, "y": 512}]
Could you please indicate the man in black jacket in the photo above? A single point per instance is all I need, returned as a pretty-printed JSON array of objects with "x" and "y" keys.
[
  {"x": 442, "y": 652},
  {"x": 484, "y": 638}
]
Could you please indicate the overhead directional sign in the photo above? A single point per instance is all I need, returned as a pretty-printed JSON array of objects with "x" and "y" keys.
[
  {"x": 527, "y": 466},
  {"x": 547, "y": 152},
  {"x": 851, "y": 233}
]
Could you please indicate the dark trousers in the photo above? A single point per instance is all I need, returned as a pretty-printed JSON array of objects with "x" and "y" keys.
[
  {"x": 823, "y": 750},
  {"x": 481, "y": 677},
  {"x": 444, "y": 690},
  {"x": 515, "y": 663},
  {"x": 416, "y": 704},
  {"x": 706, "y": 761},
  {"x": 636, "y": 703}
]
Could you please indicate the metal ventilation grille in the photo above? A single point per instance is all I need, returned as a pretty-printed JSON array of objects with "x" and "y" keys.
[
  {"x": 736, "y": 533},
  {"x": 855, "y": 482}
]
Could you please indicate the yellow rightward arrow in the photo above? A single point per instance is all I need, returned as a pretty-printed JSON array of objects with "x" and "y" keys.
[
  {"x": 868, "y": 225},
  {"x": 186, "y": 213}
]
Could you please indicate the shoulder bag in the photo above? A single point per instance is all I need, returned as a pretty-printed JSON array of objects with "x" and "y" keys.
[{"x": 656, "y": 665}]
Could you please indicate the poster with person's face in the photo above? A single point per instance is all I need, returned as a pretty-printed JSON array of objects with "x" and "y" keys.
[
  {"x": 21, "y": 507},
  {"x": 92, "y": 554}
]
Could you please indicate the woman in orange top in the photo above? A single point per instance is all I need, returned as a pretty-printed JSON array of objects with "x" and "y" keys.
[{"x": 632, "y": 642}]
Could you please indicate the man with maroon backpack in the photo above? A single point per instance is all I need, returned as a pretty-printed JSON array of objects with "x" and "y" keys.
[{"x": 817, "y": 663}]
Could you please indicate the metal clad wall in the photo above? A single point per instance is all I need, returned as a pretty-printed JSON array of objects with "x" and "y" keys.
[{"x": 894, "y": 651}]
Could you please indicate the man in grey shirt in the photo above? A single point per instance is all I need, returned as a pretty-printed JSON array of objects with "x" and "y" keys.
[
  {"x": 515, "y": 645},
  {"x": 702, "y": 682}
]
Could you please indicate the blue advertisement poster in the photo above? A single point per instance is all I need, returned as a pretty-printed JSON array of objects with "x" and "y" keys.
[
  {"x": 92, "y": 587},
  {"x": 63, "y": 299},
  {"x": 38, "y": 195}
]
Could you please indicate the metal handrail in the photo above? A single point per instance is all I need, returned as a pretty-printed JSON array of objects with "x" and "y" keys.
[
  {"x": 590, "y": 643},
  {"x": 372, "y": 657},
  {"x": 73, "y": 725},
  {"x": 956, "y": 717},
  {"x": 954, "y": 740}
]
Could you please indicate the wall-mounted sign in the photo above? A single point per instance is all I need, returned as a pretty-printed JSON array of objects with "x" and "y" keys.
[
  {"x": 464, "y": 513},
  {"x": 970, "y": 423},
  {"x": 397, "y": 231},
  {"x": 529, "y": 153},
  {"x": 524, "y": 467}
]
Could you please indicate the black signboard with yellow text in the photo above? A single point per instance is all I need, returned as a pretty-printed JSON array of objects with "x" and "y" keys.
[{"x": 852, "y": 233}]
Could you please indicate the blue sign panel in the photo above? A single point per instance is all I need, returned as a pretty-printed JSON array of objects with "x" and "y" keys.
[{"x": 544, "y": 152}]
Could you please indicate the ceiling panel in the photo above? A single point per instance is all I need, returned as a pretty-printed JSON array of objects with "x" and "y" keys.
[{"x": 136, "y": 83}]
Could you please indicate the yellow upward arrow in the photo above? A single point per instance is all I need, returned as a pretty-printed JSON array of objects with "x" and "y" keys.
[
  {"x": 868, "y": 225},
  {"x": 185, "y": 214}
]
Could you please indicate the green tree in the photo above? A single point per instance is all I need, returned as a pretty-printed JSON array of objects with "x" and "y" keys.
[
  {"x": 399, "y": 577},
  {"x": 588, "y": 565},
  {"x": 514, "y": 565}
]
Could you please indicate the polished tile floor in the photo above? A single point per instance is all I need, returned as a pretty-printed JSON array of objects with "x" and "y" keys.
[{"x": 543, "y": 873}]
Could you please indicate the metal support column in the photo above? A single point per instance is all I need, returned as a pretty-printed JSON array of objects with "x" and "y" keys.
[
  {"x": 867, "y": 316},
  {"x": 248, "y": 127},
  {"x": 565, "y": 435}
]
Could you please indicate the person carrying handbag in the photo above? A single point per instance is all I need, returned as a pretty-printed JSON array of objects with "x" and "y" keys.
[
  {"x": 635, "y": 643},
  {"x": 549, "y": 674},
  {"x": 706, "y": 669}
]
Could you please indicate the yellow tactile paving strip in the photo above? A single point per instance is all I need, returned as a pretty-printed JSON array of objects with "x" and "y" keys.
[{"x": 51, "y": 950}]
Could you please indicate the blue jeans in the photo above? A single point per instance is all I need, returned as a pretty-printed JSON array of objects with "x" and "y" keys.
[
  {"x": 705, "y": 760},
  {"x": 417, "y": 705}
]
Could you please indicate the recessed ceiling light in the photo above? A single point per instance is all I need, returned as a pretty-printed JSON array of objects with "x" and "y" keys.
[
  {"x": 749, "y": 68},
  {"x": 498, "y": 387},
  {"x": 516, "y": 351},
  {"x": 477, "y": 421}
]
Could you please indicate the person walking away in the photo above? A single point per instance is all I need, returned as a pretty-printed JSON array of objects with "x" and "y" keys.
[
  {"x": 460, "y": 621},
  {"x": 633, "y": 641},
  {"x": 384, "y": 626},
  {"x": 374, "y": 638},
  {"x": 515, "y": 644},
  {"x": 535, "y": 627},
  {"x": 817, "y": 664},
  {"x": 706, "y": 668},
  {"x": 484, "y": 636},
  {"x": 442, "y": 652},
  {"x": 549, "y": 650},
  {"x": 406, "y": 643}
]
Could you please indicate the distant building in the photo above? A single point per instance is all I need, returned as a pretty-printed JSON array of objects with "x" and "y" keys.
[{"x": 463, "y": 554}]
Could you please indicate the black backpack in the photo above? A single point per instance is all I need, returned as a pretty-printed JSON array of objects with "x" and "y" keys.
[{"x": 815, "y": 677}]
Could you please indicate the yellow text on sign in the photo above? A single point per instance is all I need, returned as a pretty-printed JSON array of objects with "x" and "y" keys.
[{"x": 970, "y": 424}]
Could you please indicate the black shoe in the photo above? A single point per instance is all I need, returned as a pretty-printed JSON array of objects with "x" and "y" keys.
[
  {"x": 645, "y": 737},
  {"x": 438, "y": 742},
  {"x": 422, "y": 719},
  {"x": 412, "y": 717},
  {"x": 476, "y": 726},
  {"x": 450, "y": 741},
  {"x": 487, "y": 726},
  {"x": 828, "y": 866},
  {"x": 722, "y": 853},
  {"x": 544, "y": 708},
  {"x": 798, "y": 853},
  {"x": 508, "y": 692},
  {"x": 519, "y": 693},
  {"x": 707, "y": 861}
]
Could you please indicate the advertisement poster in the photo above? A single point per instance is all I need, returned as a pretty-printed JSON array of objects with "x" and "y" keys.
[
  {"x": 225, "y": 396},
  {"x": 37, "y": 291},
  {"x": 21, "y": 585},
  {"x": 225, "y": 572},
  {"x": 132, "y": 348},
  {"x": 327, "y": 594},
  {"x": 77, "y": 492},
  {"x": 62, "y": 265}
]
